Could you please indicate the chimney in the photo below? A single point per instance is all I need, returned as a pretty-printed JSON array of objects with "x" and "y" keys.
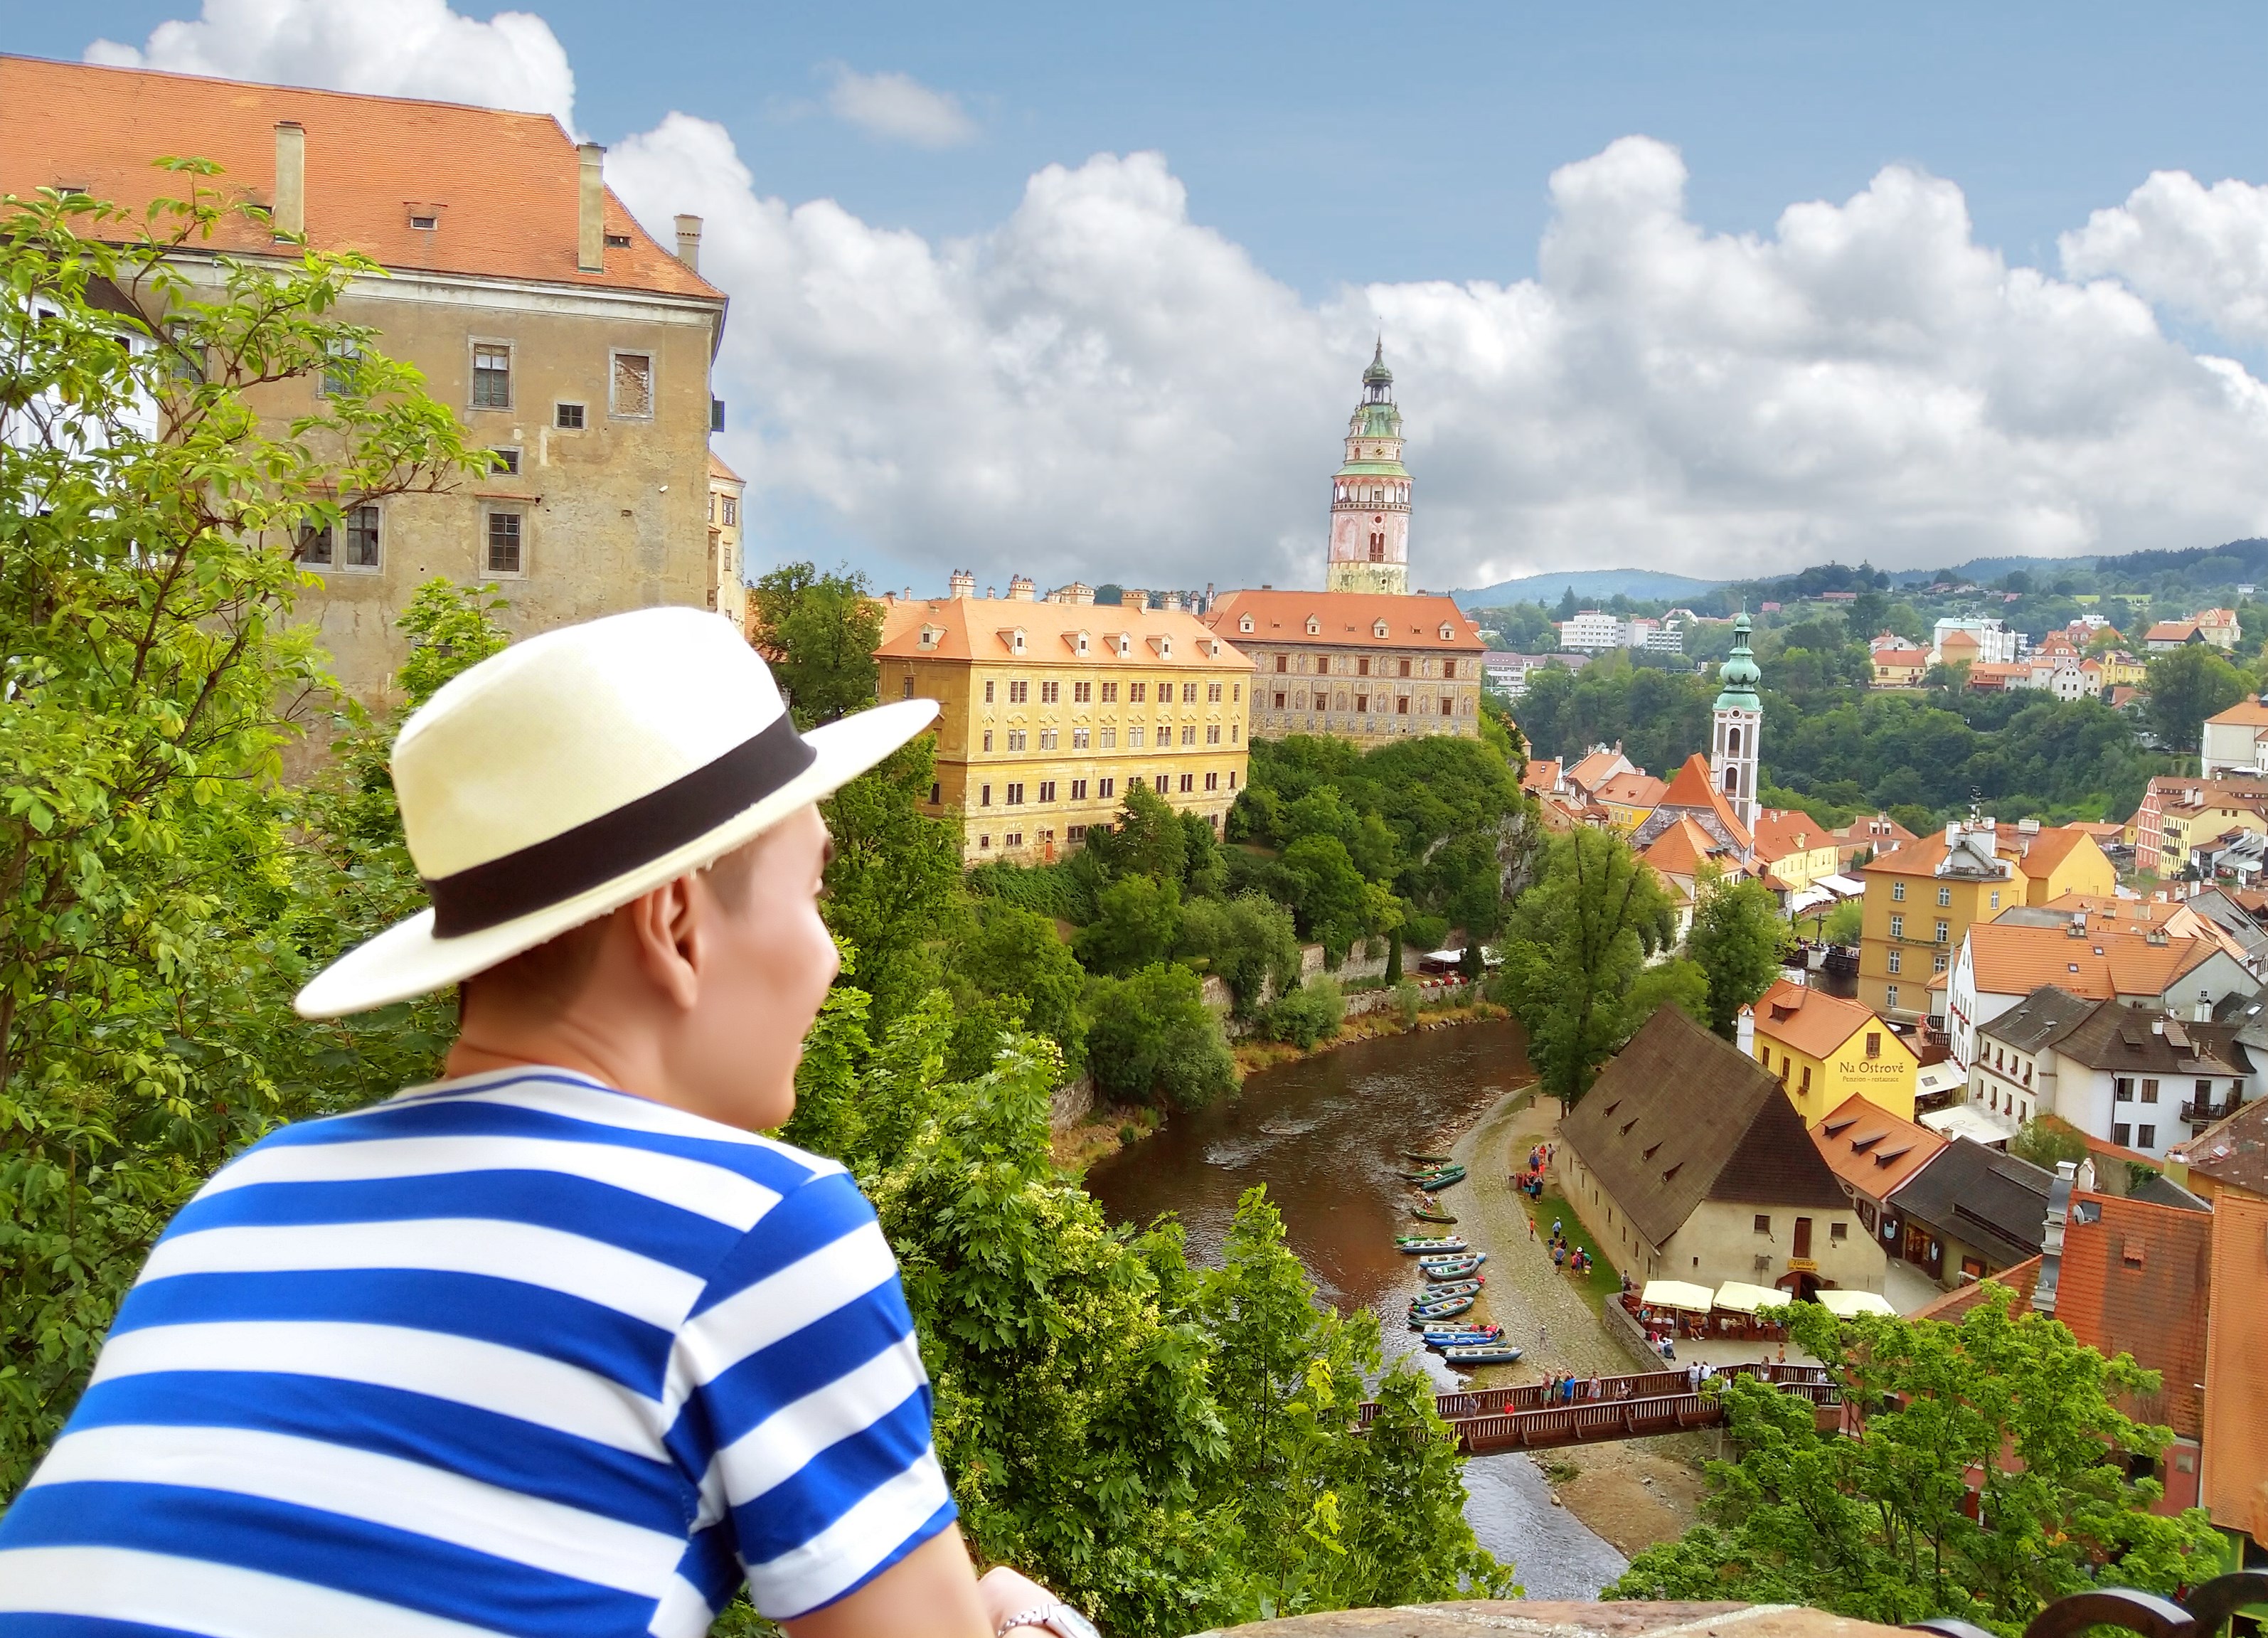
[
  {"x": 2044, "y": 1288},
  {"x": 689, "y": 242},
  {"x": 590, "y": 209},
  {"x": 289, "y": 212},
  {"x": 1020, "y": 589},
  {"x": 961, "y": 583},
  {"x": 2157, "y": 1026},
  {"x": 1745, "y": 1032}
]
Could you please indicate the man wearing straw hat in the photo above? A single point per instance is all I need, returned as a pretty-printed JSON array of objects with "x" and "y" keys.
[{"x": 557, "y": 1345}]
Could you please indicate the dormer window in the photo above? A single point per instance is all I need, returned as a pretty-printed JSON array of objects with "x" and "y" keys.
[
  {"x": 1378, "y": 629},
  {"x": 1314, "y": 626},
  {"x": 1014, "y": 639},
  {"x": 1245, "y": 625},
  {"x": 1165, "y": 648},
  {"x": 1081, "y": 644},
  {"x": 1125, "y": 644},
  {"x": 1445, "y": 631},
  {"x": 929, "y": 636}
]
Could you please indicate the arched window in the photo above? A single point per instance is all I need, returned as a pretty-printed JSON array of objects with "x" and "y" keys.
[
  {"x": 1732, "y": 781},
  {"x": 1733, "y": 741}
]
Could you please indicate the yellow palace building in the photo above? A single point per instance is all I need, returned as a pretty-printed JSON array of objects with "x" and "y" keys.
[
  {"x": 1822, "y": 1049},
  {"x": 1050, "y": 713}
]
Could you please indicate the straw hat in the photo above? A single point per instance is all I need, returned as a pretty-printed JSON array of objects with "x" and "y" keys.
[{"x": 564, "y": 777}]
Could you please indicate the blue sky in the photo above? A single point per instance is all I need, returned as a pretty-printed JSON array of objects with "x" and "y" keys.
[{"x": 1879, "y": 386}]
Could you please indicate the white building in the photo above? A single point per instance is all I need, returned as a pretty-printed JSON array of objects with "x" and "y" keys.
[
  {"x": 1996, "y": 644},
  {"x": 2235, "y": 741},
  {"x": 1593, "y": 632},
  {"x": 2144, "y": 1078}
]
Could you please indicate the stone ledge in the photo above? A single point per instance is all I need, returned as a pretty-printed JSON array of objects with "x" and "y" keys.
[{"x": 1547, "y": 1619}]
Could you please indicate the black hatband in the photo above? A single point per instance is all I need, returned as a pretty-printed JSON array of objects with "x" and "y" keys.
[{"x": 557, "y": 868}]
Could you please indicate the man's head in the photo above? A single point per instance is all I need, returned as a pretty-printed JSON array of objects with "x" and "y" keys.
[{"x": 697, "y": 994}]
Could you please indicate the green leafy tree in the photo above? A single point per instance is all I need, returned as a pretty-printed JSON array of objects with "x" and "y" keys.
[
  {"x": 1138, "y": 921},
  {"x": 1310, "y": 1014},
  {"x": 1016, "y": 952},
  {"x": 1567, "y": 610},
  {"x": 2046, "y": 1143},
  {"x": 820, "y": 632},
  {"x": 150, "y": 516},
  {"x": 1844, "y": 922},
  {"x": 1148, "y": 839},
  {"x": 1579, "y": 942},
  {"x": 1248, "y": 941},
  {"x": 1880, "y": 1524},
  {"x": 1152, "y": 1033},
  {"x": 1328, "y": 893},
  {"x": 1737, "y": 937},
  {"x": 2186, "y": 685},
  {"x": 894, "y": 884}
]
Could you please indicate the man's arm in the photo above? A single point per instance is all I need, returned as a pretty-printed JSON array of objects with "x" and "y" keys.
[{"x": 932, "y": 1592}]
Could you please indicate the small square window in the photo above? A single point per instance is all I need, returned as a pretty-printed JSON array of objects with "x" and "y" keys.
[
  {"x": 345, "y": 365},
  {"x": 2146, "y": 1137},
  {"x": 317, "y": 546},
  {"x": 1076, "y": 833},
  {"x": 1110, "y": 693},
  {"x": 1898, "y": 890},
  {"x": 618, "y": 241},
  {"x": 567, "y": 418},
  {"x": 491, "y": 376},
  {"x": 1763, "y": 1223},
  {"x": 631, "y": 388},
  {"x": 983, "y": 841},
  {"x": 1837, "y": 1233},
  {"x": 504, "y": 555},
  {"x": 507, "y": 462},
  {"x": 1077, "y": 791},
  {"x": 985, "y": 796}
]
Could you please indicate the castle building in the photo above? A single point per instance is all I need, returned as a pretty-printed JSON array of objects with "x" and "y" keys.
[
  {"x": 1737, "y": 721},
  {"x": 1370, "y": 494},
  {"x": 1051, "y": 711},
  {"x": 1363, "y": 659}
]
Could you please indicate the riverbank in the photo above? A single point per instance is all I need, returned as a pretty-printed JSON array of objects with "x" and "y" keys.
[
  {"x": 1636, "y": 1493},
  {"x": 1108, "y": 1128}
]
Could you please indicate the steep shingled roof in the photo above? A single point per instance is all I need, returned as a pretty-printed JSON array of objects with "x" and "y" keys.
[
  {"x": 504, "y": 186},
  {"x": 1993, "y": 1201},
  {"x": 1871, "y": 1149},
  {"x": 2134, "y": 1279},
  {"x": 1814, "y": 1022},
  {"x": 983, "y": 628},
  {"x": 1679, "y": 1116},
  {"x": 1681, "y": 849},
  {"x": 2232, "y": 1153},
  {"x": 2043, "y": 1016},
  {"x": 1692, "y": 788},
  {"x": 1346, "y": 619}
]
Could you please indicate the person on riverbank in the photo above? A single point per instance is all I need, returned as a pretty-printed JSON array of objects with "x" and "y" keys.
[{"x": 557, "y": 1343}]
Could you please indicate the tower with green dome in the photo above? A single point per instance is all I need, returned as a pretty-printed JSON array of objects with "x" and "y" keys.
[
  {"x": 1370, "y": 494},
  {"x": 1738, "y": 723}
]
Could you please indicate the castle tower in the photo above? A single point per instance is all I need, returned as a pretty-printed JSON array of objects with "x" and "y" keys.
[
  {"x": 1738, "y": 721},
  {"x": 1370, "y": 494}
]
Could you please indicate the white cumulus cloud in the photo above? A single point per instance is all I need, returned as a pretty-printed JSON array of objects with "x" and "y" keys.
[
  {"x": 898, "y": 107},
  {"x": 391, "y": 48},
  {"x": 2200, "y": 251}
]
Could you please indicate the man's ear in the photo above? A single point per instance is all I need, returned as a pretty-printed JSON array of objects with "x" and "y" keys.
[{"x": 666, "y": 926}]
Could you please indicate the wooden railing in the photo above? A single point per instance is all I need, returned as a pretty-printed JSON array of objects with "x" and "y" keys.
[{"x": 1643, "y": 1405}]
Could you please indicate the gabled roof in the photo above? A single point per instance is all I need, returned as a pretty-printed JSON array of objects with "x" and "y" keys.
[
  {"x": 1681, "y": 849},
  {"x": 1871, "y": 1149},
  {"x": 1951, "y": 1308},
  {"x": 504, "y": 187},
  {"x": 2007, "y": 958},
  {"x": 2040, "y": 1018},
  {"x": 2135, "y": 1278},
  {"x": 1901, "y": 656},
  {"x": 1634, "y": 789},
  {"x": 719, "y": 470},
  {"x": 1595, "y": 767},
  {"x": 1346, "y": 620},
  {"x": 1692, "y": 788},
  {"x": 2171, "y": 632},
  {"x": 2231, "y": 1153},
  {"x": 1993, "y": 1201},
  {"x": 1679, "y": 1116},
  {"x": 2133, "y": 1040},
  {"x": 1540, "y": 775},
  {"x": 981, "y": 628},
  {"x": 2038, "y": 855},
  {"x": 1815, "y": 1024},
  {"x": 2246, "y": 713},
  {"x": 1876, "y": 830},
  {"x": 1784, "y": 830}
]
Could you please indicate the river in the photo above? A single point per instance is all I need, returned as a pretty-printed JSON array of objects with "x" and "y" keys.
[{"x": 1326, "y": 1134}]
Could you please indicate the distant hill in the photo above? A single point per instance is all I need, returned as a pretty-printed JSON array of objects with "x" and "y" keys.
[{"x": 1590, "y": 584}]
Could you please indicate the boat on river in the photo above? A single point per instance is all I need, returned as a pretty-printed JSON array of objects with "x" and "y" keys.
[
  {"x": 1431, "y": 1212},
  {"x": 1433, "y": 1180},
  {"x": 1466, "y": 1356},
  {"x": 1421, "y": 1243},
  {"x": 1456, "y": 1336},
  {"x": 1422, "y": 1312},
  {"x": 1433, "y": 1159},
  {"x": 1455, "y": 1289},
  {"x": 1449, "y": 1267}
]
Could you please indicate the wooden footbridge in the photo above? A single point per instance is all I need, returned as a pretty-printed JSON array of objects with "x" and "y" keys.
[{"x": 1488, "y": 1421}]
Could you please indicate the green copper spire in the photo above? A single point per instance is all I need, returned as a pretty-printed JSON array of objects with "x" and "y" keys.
[
  {"x": 1738, "y": 677},
  {"x": 1377, "y": 374}
]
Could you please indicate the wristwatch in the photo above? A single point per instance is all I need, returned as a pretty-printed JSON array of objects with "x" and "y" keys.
[{"x": 1059, "y": 1618}]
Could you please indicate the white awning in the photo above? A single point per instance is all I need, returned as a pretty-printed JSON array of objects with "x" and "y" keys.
[
  {"x": 1737, "y": 1297},
  {"x": 1843, "y": 1304},
  {"x": 1677, "y": 1294},
  {"x": 1966, "y": 1120}
]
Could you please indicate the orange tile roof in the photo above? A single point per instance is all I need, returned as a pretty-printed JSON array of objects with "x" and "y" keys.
[
  {"x": 1344, "y": 618},
  {"x": 719, "y": 470},
  {"x": 1871, "y": 1149},
  {"x": 2246, "y": 713},
  {"x": 1955, "y": 1304},
  {"x": 1920, "y": 857},
  {"x": 981, "y": 628},
  {"x": 2236, "y": 1454},
  {"x": 1814, "y": 1022},
  {"x": 1631, "y": 790},
  {"x": 1541, "y": 775},
  {"x": 1591, "y": 770},
  {"x": 2014, "y": 960},
  {"x": 1784, "y": 830},
  {"x": 504, "y": 186},
  {"x": 2135, "y": 1280},
  {"x": 1901, "y": 657},
  {"x": 2039, "y": 856},
  {"x": 2170, "y": 632},
  {"x": 1681, "y": 849},
  {"x": 1692, "y": 788}
]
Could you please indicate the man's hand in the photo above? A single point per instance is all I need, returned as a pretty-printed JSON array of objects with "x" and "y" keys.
[{"x": 932, "y": 1592}]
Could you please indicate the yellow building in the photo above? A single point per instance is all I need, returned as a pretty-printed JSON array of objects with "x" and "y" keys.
[
  {"x": 1824, "y": 1050},
  {"x": 728, "y": 590},
  {"x": 561, "y": 334},
  {"x": 1923, "y": 897},
  {"x": 2121, "y": 669},
  {"x": 1794, "y": 847},
  {"x": 1051, "y": 712}
]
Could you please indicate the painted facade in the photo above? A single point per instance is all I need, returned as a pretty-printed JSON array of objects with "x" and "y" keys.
[
  {"x": 1824, "y": 1050},
  {"x": 1370, "y": 494},
  {"x": 1372, "y": 668}
]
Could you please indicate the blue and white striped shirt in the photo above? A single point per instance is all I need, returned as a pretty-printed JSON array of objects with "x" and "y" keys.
[{"x": 513, "y": 1353}]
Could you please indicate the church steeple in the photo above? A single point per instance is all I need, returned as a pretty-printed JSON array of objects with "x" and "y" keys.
[
  {"x": 1737, "y": 721},
  {"x": 1370, "y": 493}
]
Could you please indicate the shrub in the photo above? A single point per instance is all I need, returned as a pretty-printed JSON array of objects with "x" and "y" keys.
[
  {"x": 1152, "y": 1033},
  {"x": 1406, "y": 1001},
  {"x": 1310, "y": 1014}
]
